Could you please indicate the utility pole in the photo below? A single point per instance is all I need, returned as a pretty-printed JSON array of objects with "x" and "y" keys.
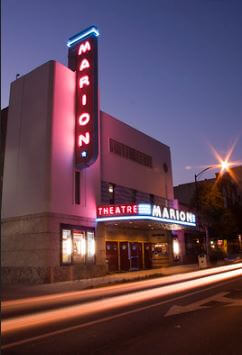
[{"x": 198, "y": 208}]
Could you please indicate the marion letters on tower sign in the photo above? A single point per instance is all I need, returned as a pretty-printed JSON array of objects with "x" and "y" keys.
[{"x": 83, "y": 59}]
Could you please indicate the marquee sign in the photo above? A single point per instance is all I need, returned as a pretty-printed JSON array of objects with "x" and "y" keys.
[
  {"x": 145, "y": 211},
  {"x": 83, "y": 60}
]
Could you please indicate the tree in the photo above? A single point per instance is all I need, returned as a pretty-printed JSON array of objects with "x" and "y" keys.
[{"x": 217, "y": 221}]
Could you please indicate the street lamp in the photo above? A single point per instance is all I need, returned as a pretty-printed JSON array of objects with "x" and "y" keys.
[
  {"x": 197, "y": 207},
  {"x": 201, "y": 172},
  {"x": 224, "y": 165}
]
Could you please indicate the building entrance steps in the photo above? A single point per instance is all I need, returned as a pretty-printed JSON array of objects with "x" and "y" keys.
[{"x": 164, "y": 276}]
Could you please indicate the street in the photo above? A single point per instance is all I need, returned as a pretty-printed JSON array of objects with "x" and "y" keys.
[{"x": 198, "y": 316}]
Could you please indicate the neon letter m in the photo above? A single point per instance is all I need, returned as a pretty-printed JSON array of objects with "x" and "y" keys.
[{"x": 84, "y": 47}]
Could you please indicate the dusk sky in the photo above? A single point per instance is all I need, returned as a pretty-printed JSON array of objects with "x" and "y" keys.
[{"x": 170, "y": 68}]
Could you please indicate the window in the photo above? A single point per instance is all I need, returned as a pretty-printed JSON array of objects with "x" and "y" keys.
[
  {"x": 134, "y": 194},
  {"x": 77, "y": 187},
  {"x": 66, "y": 247},
  {"x": 111, "y": 191},
  {"x": 110, "y": 188},
  {"x": 152, "y": 199},
  {"x": 78, "y": 246},
  {"x": 90, "y": 246},
  {"x": 159, "y": 249},
  {"x": 165, "y": 168},
  {"x": 130, "y": 153}
]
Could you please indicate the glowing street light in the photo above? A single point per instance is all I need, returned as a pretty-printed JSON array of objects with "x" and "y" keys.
[{"x": 224, "y": 165}]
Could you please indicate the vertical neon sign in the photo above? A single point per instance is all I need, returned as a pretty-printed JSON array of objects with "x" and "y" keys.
[{"x": 83, "y": 60}]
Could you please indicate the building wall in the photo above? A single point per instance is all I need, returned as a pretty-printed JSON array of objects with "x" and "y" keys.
[
  {"x": 3, "y": 133},
  {"x": 39, "y": 177},
  {"x": 184, "y": 193},
  {"x": 124, "y": 194},
  {"x": 31, "y": 250},
  {"x": 124, "y": 172},
  {"x": 39, "y": 161},
  {"x": 27, "y": 156},
  {"x": 126, "y": 234},
  {"x": 62, "y": 153},
  {"x": 237, "y": 173},
  {"x": 230, "y": 185}
]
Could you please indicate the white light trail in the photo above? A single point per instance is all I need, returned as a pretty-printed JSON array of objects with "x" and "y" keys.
[
  {"x": 30, "y": 302},
  {"x": 77, "y": 311}
]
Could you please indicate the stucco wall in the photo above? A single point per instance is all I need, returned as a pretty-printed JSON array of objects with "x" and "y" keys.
[
  {"x": 26, "y": 166},
  {"x": 30, "y": 250},
  {"x": 62, "y": 153},
  {"x": 126, "y": 234},
  {"x": 39, "y": 161},
  {"x": 127, "y": 173},
  {"x": 39, "y": 175}
]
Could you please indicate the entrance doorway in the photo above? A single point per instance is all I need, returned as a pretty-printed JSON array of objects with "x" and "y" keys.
[
  {"x": 112, "y": 255},
  {"x": 124, "y": 256},
  {"x": 148, "y": 255},
  {"x": 128, "y": 256},
  {"x": 135, "y": 256}
]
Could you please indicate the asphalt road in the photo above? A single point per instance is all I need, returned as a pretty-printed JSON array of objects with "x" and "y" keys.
[{"x": 203, "y": 320}]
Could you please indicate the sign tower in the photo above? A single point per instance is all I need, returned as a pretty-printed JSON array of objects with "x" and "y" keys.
[{"x": 83, "y": 59}]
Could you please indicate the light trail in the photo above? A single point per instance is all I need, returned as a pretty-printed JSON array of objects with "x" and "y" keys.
[
  {"x": 106, "y": 319},
  {"x": 31, "y": 302},
  {"x": 95, "y": 307}
]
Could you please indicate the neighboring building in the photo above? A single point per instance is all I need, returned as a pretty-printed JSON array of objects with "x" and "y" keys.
[
  {"x": 186, "y": 193},
  {"x": 4, "y": 117},
  {"x": 230, "y": 185},
  {"x": 62, "y": 223}
]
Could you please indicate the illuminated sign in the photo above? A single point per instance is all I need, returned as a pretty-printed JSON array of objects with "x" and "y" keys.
[
  {"x": 83, "y": 60},
  {"x": 145, "y": 211}
]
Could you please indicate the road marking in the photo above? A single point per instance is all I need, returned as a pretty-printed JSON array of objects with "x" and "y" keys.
[
  {"x": 237, "y": 302},
  {"x": 105, "y": 319},
  {"x": 196, "y": 306}
]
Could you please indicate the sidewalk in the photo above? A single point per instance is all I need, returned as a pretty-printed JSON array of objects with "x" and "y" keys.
[{"x": 9, "y": 292}]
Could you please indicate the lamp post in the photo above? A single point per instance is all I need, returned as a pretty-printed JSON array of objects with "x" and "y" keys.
[
  {"x": 201, "y": 172},
  {"x": 224, "y": 166},
  {"x": 197, "y": 208}
]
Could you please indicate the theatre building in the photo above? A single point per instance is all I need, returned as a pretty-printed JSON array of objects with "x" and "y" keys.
[{"x": 83, "y": 193}]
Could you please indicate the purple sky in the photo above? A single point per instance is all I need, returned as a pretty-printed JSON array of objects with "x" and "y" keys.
[{"x": 172, "y": 69}]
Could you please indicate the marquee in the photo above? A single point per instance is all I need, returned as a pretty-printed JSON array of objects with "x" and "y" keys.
[{"x": 145, "y": 211}]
